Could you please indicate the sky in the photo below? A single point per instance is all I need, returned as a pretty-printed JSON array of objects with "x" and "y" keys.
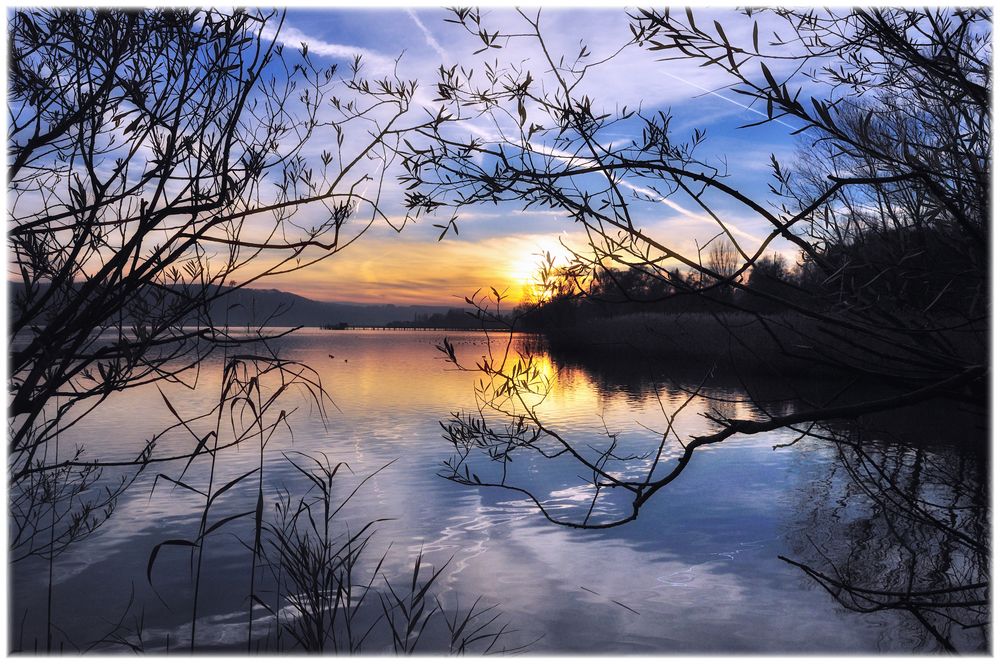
[{"x": 500, "y": 246}]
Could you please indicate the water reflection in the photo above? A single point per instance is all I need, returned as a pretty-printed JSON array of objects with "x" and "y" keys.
[
  {"x": 897, "y": 528},
  {"x": 699, "y": 571}
]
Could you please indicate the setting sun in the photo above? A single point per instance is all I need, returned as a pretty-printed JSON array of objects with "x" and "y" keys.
[
  {"x": 371, "y": 331},
  {"x": 525, "y": 268}
]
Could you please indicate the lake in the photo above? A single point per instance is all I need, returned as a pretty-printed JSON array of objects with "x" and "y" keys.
[{"x": 698, "y": 571}]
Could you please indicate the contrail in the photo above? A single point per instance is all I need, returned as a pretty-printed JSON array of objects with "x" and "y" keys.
[
  {"x": 735, "y": 230},
  {"x": 725, "y": 98},
  {"x": 433, "y": 43},
  {"x": 584, "y": 162},
  {"x": 293, "y": 38}
]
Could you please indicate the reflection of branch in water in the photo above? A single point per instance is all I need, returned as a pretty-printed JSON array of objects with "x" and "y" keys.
[
  {"x": 915, "y": 527},
  {"x": 513, "y": 385},
  {"x": 917, "y": 602},
  {"x": 917, "y": 540}
]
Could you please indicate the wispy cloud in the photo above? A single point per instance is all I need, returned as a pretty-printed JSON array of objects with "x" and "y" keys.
[
  {"x": 292, "y": 37},
  {"x": 497, "y": 247},
  {"x": 724, "y": 98},
  {"x": 431, "y": 41},
  {"x": 581, "y": 162},
  {"x": 406, "y": 270}
]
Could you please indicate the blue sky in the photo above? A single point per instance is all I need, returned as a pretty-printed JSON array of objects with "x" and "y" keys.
[{"x": 496, "y": 246}]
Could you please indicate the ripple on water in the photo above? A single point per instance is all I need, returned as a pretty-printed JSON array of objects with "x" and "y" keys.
[{"x": 698, "y": 572}]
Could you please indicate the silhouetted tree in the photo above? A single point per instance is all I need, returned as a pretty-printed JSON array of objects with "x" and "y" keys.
[
  {"x": 158, "y": 160},
  {"x": 924, "y": 355},
  {"x": 889, "y": 212},
  {"x": 771, "y": 275}
]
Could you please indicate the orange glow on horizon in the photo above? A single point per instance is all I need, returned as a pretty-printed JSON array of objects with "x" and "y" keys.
[{"x": 403, "y": 271}]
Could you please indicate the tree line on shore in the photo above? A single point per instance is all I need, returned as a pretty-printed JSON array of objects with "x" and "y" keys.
[{"x": 161, "y": 160}]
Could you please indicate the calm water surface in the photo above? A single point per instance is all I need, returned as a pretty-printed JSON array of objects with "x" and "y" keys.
[{"x": 697, "y": 572}]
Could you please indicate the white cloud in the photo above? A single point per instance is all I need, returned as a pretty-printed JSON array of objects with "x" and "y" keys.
[
  {"x": 292, "y": 37},
  {"x": 431, "y": 41}
]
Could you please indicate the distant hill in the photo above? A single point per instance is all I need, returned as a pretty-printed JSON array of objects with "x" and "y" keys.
[
  {"x": 255, "y": 305},
  {"x": 278, "y": 308}
]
